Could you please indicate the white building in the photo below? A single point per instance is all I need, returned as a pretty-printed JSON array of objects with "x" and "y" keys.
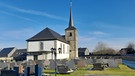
[{"x": 39, "y": 46}]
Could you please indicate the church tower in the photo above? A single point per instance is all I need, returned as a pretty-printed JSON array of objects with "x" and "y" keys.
[{"x": 71, "y": 35}]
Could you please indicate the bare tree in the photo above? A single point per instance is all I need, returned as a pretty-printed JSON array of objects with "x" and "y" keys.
[
  {"x": 102, "y": 48},
  {"x": 131, "y": 45},
  {"x": 130, "y": 48}
]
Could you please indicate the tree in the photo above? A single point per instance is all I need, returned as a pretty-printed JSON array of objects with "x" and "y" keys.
[
  {"x": 130, "y": 48},
  {"x": 102, "y": 48},
  {"x": 131, "y": 45}
]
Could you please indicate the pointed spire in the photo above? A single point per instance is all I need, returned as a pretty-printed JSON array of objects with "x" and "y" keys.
[{"x": 71, "y": 23}]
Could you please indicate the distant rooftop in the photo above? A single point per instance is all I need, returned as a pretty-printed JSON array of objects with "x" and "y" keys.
[
  {"x": 5, "y": 51},
  {"x": 20, "y": 52}
]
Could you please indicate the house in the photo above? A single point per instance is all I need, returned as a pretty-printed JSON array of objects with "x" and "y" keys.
[
  {"x": 6, "y": 53},
  {"x": 83, "y": 52},
  {"x": 20, "y": 54},
  {"x": 40, "y": 46},
  {"x": 127, "y": 51}
]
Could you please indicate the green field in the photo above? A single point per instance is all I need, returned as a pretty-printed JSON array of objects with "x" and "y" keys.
[{"x": 121, "y": 71}]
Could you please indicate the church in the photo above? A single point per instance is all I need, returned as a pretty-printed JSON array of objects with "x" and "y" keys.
[{"x": 41, "y": 45}]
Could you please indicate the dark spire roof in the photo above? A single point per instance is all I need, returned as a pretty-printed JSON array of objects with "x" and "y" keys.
[
  {"x": 71, "y": 22},
  {"x": 47, "y": 34}
]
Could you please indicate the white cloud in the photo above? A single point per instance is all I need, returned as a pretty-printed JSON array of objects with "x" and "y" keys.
[
  {"x": 34, "y": 12},
  {"x": 21, "y": 17},
  {"x": 97, "y": 33}
]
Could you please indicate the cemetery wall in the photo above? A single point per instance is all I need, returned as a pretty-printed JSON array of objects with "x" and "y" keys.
[{"x": 131, "y": 58}]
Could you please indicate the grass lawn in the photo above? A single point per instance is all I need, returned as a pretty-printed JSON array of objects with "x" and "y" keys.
[{"x": 121, "y": 71}]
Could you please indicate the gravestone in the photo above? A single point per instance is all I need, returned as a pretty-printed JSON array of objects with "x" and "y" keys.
[
  {"x": 112, "y": 63},
  {"x": 94, "y": 61},
  {"x": 63, "y": 61},
  {"x": 82, "y": 63},
  {"x": 71, "y": 64},
  {"x": 40, "y": 63},
  {"x": 3, "y": 65},
  {"x": 16, "y": 68},
  {"x": 27, "y": 71},
  {"x": 52, "y": 65},
  {"x": 38, "y": 70},
  {"x": 105, "y": 61},
  {"x": 89, "y": 61},
  {"x": 118, "y": 61},
  {"x": 75, "y": 61},
  {"x": 32, "y": 69},
  {"x": 31, "y": 62},
  {"x": 8, "y": 73},
  {"x": 97, "y": 66},
  {"x": 62, "y": 69},
  {"x": 99, "y": 61},
  {"x": 46, "y": 62}
]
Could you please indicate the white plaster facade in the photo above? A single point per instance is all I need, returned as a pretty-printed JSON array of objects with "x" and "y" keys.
[{"x": 35, "y": 46}]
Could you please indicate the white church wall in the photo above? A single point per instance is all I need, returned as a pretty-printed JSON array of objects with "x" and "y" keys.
[
  {"x": 62, "y": 56},
  {"x": 48, "y": 45},
  {"x": 64, "y": 50},
  {"x": 34, "y": 46}
]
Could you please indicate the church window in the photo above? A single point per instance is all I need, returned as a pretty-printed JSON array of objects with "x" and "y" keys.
[
  {"x": 67, "y": 50},
  {"x": 70, "y": 34},
  {"x": 41, "y": 46},
  {"x": 63, "y": 49},
  {"x": 60, "y": 51}
]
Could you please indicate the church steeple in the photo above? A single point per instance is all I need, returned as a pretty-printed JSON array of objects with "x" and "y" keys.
[
  {"x": 71, "y": 35},
  {"x": 71, "y": 22}
]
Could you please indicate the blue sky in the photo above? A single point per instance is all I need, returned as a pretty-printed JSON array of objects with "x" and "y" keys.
[{"x": 109, "y": 21}]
